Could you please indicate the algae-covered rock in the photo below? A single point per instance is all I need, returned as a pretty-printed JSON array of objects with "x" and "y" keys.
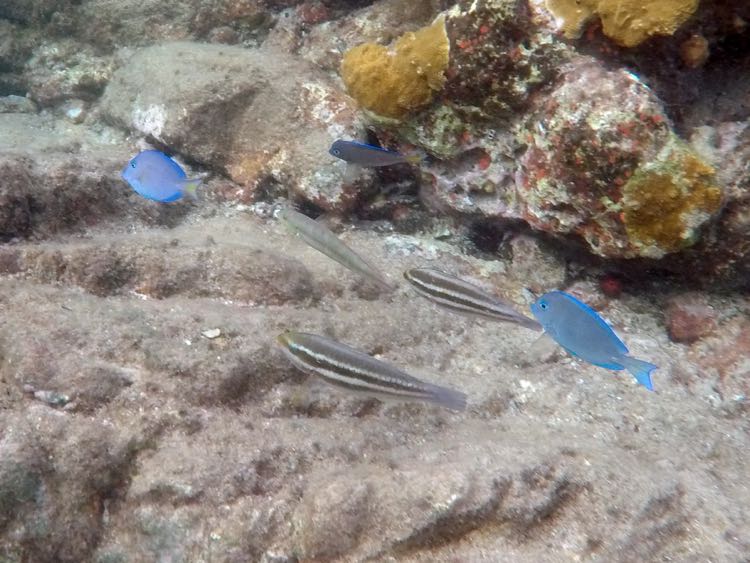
[
  {"x": 63, "y": 70},
  {"x": 667, "y": 199},
  {"x": 499, "y": 57},
  {"x": 602, "y": 162},
  {"x": 394, "y": 83},
  {"x": 31, "y": 11},
  {"x": 628, "y": 22}
]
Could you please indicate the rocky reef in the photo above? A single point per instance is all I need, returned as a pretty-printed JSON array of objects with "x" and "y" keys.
[
  {"x": 530, "y": 129},
  {"x": 598, "y": 147}
]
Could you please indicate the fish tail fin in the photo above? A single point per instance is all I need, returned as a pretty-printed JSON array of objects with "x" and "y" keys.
[
  {"x": 190, "y": 187},
  {"x": 448, "y": 398},
  {"x": 415, "y": 159},
  {"x": 641, "y": 370},
  {"x": 386, "y": 284}
]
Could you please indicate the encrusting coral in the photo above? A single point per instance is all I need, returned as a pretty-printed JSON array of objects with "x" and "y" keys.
[
  {"x": 628, "y": 22},
  {"x": 394, "y": 82}
]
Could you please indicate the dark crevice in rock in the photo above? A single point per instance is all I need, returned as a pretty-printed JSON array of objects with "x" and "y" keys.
[{"x": 457, "y": 524}]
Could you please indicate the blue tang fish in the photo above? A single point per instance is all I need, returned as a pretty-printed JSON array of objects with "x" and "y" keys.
[
  {"x": 369, "y": 155},
  {"x": 582, "y": 332},
  {"x": 156, "y": 176}
]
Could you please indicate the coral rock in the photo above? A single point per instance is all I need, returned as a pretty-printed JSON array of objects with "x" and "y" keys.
[
  {"x": 689, "y": 318},
  {"x": 393, "y": 84},
  {"x": 723, "y": 255},
  {"x": 628, "y": 22},
  {"x": 47, "y": 188},
  {"x": 499, "y": 57},
  {"x": 65, "y": 70}
]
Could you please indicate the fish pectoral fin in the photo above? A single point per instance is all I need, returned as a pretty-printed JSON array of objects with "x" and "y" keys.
[{"x": 542, "y": 349}]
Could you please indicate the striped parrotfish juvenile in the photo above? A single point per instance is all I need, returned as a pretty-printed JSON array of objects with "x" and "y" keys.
[
  {"x": 582, "y": 332},
  {"x": 342, "y": 366},
  {"x": 156, "y": 176},
  {"x": 323, "y": 240},
  {"x": 369, "y": 155},
  {"x": 464, "y": 297}
]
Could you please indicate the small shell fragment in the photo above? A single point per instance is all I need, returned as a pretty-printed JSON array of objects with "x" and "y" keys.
[{"x": 212, "y": 333}]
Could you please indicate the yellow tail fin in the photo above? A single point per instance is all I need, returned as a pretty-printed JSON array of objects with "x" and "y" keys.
[{"x": 190, "y": 187}]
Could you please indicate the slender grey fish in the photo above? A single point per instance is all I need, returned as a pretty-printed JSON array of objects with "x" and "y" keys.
[
  {"x": 342, "y": 366},
  {"x": 323, "y": 240},
  {"x": 459, "y": 295},
  {"x": 369, "y": 155}
]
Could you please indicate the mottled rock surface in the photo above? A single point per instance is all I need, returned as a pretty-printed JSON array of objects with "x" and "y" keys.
[
  {"x": 180, "y": 446},
  {"x": 146, "y": 413}
]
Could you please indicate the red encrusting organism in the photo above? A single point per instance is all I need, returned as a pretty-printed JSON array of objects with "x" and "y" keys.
[{"x": 611, "y": 285}]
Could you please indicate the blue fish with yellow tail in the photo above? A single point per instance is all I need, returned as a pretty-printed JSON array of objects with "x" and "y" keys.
[
  {"x": 156, "y": 176},
  {"x": 369, "y": 155},
  {"x": 582, "y": 332}
]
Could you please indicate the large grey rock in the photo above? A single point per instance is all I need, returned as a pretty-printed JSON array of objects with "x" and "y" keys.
[
  {"x": 263, "y": 118},
  {"x": 58, "y": 177}
]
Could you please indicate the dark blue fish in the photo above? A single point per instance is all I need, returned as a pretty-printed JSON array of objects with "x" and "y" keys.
[
  {"x": 582, "y": 332},
  {"x": 156, "y": 176},
  {"x": 369, "y": 155}
]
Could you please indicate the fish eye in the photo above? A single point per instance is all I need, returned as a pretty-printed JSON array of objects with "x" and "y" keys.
[
  {"x": 543, "y": 304},
  {"x": 336, "y": 152},
  {"x": 132, "y": 164}
]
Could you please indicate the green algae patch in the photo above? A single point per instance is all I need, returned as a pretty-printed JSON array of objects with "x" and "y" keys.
[
  {"x": 667, "y": 200},
  {"x": 438, "y": 131},
  {"x": 393, "y": 83}
]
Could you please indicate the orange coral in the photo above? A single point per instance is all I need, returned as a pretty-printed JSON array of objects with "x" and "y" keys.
[{"x": 393, "y": 83}]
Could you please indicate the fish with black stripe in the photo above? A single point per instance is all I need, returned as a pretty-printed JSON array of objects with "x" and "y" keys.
[
  {"x": 464, "y": 297},
  {"x": 348, "y": 368}
]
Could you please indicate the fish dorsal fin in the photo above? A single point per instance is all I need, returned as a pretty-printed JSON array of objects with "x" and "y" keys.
[{"x": 373, "y": 147}]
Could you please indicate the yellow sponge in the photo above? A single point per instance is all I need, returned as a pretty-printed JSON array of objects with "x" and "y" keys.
[
  {"x": 394, "y": 82},
  {"x": 628, "y": 22}
]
